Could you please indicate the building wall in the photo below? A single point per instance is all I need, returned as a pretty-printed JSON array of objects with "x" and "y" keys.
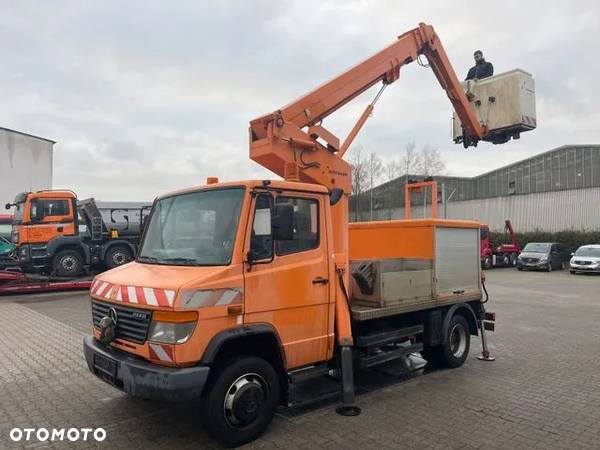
[
  {"x": 577, "y": 209},
  {"x": 25, "y": 164}
]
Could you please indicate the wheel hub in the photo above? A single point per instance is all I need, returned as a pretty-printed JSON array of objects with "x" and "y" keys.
[
  {"x": 458, "y": 341},
  {"x": 68, "y": 263},
  {"x": 119, "y": 258},
  {"x": 245, "y": 400}
]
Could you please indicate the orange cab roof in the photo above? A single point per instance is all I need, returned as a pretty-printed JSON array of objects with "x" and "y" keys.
[{"x": 275, "y": 184}]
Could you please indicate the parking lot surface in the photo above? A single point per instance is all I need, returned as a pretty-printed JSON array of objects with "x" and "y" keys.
[{"x": 543, "y": 390}]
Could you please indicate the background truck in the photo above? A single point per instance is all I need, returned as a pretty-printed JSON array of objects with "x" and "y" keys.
[
  {"x": 504, "y": 255},
  {"x": 58, "y": 234},
  {"x": 243, "y": 290}
]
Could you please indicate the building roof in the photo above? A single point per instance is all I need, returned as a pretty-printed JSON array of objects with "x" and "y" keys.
[{"x": 28, "y": 135}]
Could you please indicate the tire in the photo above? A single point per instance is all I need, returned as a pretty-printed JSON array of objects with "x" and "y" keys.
[
  {"x": 457, "y": 342},
  {"x": 433, "y": 356},
  {"x": 562, "y": 265},
  {"x": 117, "y": 256},
  {"x": 572, "y": 272},
  {"x": 513, "y": 259},
  {"x": 67, "y": 263},
  {"x": 549, "y": 267},
  {"x": 240, "y": 400},
  {"x": 487, "y": 263},
  {"x": 519, "y": 269}
]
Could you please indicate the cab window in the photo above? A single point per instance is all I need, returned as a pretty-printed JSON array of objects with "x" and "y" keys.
[
  {"x": 41, "y": 208},
  {"x": 306, "y": 226},
  {"x": 261, "y": 245}
]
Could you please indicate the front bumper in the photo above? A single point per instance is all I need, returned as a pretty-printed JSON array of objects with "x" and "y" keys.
[
  {"x": 140, "y": 378},
  {"x": 584, "y": 268},
  {"x": 534, "y": 266}
]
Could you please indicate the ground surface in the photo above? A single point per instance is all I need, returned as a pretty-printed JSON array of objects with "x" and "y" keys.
[{"x": 543, "y": 391}]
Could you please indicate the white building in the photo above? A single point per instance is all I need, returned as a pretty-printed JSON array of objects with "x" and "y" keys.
[{"x": 25, "y": 164}]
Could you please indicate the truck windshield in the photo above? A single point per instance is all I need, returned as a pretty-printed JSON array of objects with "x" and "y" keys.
[
  {"x": 537, "y": 248},
  {"x": 588, "y": 251},
  {"x": 18, "y": 213},
  {"x": 195, "y": 229}
]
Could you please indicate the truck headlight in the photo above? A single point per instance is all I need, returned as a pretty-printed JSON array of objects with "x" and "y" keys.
[{"x": 172, "y": 327}]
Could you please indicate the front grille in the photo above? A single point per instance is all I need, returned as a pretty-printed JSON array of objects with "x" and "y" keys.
[
  {"x": 530, "y": 260},
  {"x": 132, "y": 323},
  {"x": 583, "y": 263}
]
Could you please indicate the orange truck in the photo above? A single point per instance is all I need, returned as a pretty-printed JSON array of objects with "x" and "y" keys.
[
  {"x": 242, "y": 290},
  {"x": 58, "y": 234}
]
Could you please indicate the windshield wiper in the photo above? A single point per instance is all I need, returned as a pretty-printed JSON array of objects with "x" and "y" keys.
[
  {"x": 148, "y": 259},
  {"x": 179, "y": 260}
]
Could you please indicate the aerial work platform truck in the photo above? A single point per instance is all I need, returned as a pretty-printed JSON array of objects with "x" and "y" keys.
[{"x": 243, "y": 289}]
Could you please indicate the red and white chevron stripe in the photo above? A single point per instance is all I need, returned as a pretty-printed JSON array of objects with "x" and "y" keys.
[
  {"x": 132, "y": 294},
  {"x": 211, "y": 297},
  {"x": 161, "y": 352}
]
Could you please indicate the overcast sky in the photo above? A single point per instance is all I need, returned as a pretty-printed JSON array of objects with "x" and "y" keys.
[{"x": 144, "y": 97}]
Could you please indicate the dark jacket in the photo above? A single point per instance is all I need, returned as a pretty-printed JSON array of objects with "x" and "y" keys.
[{"x": 482, "y": 69}]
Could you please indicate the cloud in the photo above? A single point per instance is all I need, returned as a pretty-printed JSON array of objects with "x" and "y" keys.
[{"x": 146, "y": 97}]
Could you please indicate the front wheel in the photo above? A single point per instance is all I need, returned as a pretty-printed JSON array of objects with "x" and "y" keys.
[
  {"x": 240, "y": 400},
  {"x": 67, "y": 263}
]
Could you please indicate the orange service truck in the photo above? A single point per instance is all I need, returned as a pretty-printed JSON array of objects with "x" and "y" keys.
[{"x": 242, "y": 290}]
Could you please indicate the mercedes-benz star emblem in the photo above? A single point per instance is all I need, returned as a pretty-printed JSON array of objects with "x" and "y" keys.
[{"x": 107, "y": 326}]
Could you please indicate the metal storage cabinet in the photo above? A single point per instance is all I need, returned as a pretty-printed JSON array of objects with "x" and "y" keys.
[{"x": 406, "y": 265}]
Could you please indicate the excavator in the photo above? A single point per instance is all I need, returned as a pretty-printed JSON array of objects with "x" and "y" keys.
[{"x": 243, "y": 290}]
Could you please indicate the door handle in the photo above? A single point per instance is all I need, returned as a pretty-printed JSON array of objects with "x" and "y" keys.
[
  {"x": 59, "y": 229},
  {"x": 320, "y": 280}
]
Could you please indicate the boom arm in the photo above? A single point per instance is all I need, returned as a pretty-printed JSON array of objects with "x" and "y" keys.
[{"x": 294, "y": 134}]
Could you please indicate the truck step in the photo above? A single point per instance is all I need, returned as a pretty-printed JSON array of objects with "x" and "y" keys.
[
  {"x": 307, "y": 373},
  {"x": 387, "y": 337},
  {"x": 386, "y": 356}
]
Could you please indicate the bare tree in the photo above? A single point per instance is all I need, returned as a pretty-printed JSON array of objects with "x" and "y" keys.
[
  {"x": 374, "y": 169},
  {"x": 431, "y": 162},
  {"x": 359, "y": 174},
  {"x": 392, "y": 169},
  {"x": 411, "y": 160}
]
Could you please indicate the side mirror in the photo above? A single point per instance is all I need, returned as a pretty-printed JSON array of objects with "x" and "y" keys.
[
  {"x": 335, "y": 196},
  {"x": 7, "y": 206},
  {"x": 283, "y": 222}
]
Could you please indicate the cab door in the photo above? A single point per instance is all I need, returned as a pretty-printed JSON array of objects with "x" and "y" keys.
[
  {"x": 286, "y": 277},
  {"x": 48, "y": 218}
]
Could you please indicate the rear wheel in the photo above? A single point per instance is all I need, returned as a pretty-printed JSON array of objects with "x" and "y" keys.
[
  {"x": 117, "y": 256},
  {"x": 240, "y": 400},
  {"x": 457, "y": 342},
  {"x": 67, "y": 263},
  {"x": 513, "y": 259},
  {"x": 455, "y": 349}
]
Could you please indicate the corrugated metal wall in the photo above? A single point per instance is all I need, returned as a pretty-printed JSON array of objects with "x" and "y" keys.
[{"x": 577, "y": 209}]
